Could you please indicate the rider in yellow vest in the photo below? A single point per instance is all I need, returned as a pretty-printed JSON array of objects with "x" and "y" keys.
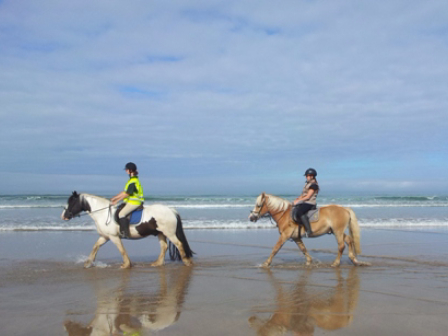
[{"x": 132, "y": 196}]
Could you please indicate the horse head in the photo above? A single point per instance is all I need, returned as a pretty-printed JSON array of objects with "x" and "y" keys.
[
  {"x": 260, "y": 208},
  {"x": 75, "y": 206}
]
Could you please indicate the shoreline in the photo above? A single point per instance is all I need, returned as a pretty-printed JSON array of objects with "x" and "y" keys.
[{"x": 46, "y": 289}]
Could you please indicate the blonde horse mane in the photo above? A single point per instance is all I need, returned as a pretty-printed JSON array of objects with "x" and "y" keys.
[{"x": 276, "y": 203}]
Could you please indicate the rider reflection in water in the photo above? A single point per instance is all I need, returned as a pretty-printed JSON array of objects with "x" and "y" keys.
[
  {"x": 307, "y": 200},
  {"x": 132, "y": 196}
]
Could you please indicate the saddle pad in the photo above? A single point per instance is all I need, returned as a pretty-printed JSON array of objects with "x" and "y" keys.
[
  {"x": 313, "y": 215},
  {"x": 136, "y": 216}
]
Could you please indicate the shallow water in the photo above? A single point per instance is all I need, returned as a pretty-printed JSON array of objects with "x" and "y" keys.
[{"x": 46, "y": 291}]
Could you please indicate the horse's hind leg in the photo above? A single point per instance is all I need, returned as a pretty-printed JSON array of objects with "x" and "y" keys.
[
  {"x": 100, "y": 242},
  {"x": 180, "y": 247},
  {"x": 119, "y": 245},
  {"x": 351, "y": 249},
  {"x": 341, "y": 246},
  {"x": 351, "y": 252},
  {"x": 163, "y": 247},
  {"x": 302, "y": 247}
]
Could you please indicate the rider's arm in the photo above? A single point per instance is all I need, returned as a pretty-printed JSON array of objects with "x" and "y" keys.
[
  {"x": 123, "y": 194},
  {"x": 304, "y": 198},
  {"x": 118, "y": 197}
]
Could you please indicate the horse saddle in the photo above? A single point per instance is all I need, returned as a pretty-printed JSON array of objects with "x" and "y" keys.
[
  {"x": 313, "y": 216},
  {"x": 135, "y": 217}
]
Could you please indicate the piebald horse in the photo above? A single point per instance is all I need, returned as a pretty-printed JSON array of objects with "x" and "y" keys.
[
  {"x": 332, "y": 219},
  {"x": 158, "y": 220}
]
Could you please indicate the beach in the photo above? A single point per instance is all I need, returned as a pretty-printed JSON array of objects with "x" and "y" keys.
[{"x": 46, "y": 291}]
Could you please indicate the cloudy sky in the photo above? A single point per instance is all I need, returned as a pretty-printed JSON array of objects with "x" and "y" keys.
[{"x": 224, "y": 97}]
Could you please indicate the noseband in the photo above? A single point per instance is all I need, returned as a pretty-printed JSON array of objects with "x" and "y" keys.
[
  {"x": 267, "y": 214},
  {"x": 84, "y": 207},
  {"x": 257, "y": 213}
]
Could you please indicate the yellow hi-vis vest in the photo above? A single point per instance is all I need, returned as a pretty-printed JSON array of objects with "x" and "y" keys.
[{"x": 137, "y": 197}]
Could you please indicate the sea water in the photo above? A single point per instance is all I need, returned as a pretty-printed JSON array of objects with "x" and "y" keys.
[{"x": 42, "y": 212}]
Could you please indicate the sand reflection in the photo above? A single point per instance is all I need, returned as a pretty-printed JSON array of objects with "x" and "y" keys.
[
  {"x": 126, "y": 308},
  {"x": 303, "y": 306}
]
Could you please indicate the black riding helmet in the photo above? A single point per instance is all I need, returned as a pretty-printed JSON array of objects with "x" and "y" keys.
[
  {"x": 311, "y": 171},
  {"x": 131, "y": 166}
]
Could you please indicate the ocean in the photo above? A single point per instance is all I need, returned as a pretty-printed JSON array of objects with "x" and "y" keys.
[{"x": 42, "y": 212}]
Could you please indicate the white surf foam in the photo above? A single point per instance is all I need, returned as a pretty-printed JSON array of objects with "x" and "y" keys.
[{"x": 25, "y": 206}]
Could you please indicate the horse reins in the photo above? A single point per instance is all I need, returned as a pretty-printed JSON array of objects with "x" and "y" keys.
[
  {"x": 85, "y": 214},
  {"x": 268, "y": 214}
]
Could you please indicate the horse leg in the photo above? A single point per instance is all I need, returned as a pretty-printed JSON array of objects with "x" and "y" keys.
[
  {"x": 100, "y": 242},
  {"x": 341, "y": 247},
  {"x": 351, "y": 249},
  {"x": 302, "y": 247},
  {"x": 163, "y": 247},
  {"x": 126, "y": 261},
  {"x": 285, "y": 235},
  {"x": 351, "y": 252},
  {"x": 180, "y": 247}
]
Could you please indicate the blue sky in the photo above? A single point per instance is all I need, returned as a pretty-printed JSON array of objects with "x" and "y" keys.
[{"x": 224, "y": 97}]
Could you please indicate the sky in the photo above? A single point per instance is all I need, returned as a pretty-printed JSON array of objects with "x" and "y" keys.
[{"x": 224, "y": 97}]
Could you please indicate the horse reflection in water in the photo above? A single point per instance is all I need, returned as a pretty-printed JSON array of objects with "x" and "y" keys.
[
  {"x": 304, "y": 307},
  {"x": 121, "y": 311}
]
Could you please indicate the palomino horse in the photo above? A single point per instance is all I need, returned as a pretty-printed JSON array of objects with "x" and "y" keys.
[
  {"x": 158, "y": 220},
  {"x": 125, "y": 308},
  {"x": 332, "y": 219},
  {"x": 304, "y": 306}
]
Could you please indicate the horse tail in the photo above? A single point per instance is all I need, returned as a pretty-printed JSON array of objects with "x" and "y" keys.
[
  {"x": 355, "y": 232},
  {"x": 174, "y": 252}
]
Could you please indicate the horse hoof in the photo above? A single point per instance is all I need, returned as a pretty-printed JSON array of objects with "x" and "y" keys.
[
  {"x": 156, "y": 264},
  {"x": 88, "y": 264},
  {"x": 265, "y": 265},
  {"x": 188, "y": 263},
  {"x": 126, "y": 266},
  {"x": 334, "y": 265}
]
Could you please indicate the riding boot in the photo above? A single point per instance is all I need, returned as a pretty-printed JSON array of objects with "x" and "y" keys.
[
  {"x": 124, "y": 227},
  {"x": 306, "y": 223}
]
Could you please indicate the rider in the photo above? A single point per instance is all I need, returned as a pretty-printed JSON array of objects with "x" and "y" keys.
[
  {"x": 307, "y": 200},
  {"x": 132, "y": 196}
]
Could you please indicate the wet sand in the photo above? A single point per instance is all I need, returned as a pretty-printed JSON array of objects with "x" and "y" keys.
[{"x": 44, "y": 289}]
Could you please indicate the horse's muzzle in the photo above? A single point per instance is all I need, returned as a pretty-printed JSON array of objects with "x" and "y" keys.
[
  {"x": 66, "y": 215},
  {"x": 253, "y": 218}
]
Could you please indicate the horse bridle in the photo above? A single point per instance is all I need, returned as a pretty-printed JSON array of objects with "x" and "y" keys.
[
  {"x": 260, "y": 207},
  {"x": 267, "y": 214},
  {"x": 85, "y": 206}
]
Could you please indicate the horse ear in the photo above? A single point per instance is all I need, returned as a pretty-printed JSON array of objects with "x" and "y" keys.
[
  {"x": 75, "y": 194},
  {"x": 263, "y": 194}
]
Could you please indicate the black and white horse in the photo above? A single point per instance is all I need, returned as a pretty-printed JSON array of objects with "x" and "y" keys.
[{"x": 157, "y": 220}]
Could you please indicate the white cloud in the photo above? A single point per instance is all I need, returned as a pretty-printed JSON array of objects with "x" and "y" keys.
[{"x": 299, "y": 83}]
